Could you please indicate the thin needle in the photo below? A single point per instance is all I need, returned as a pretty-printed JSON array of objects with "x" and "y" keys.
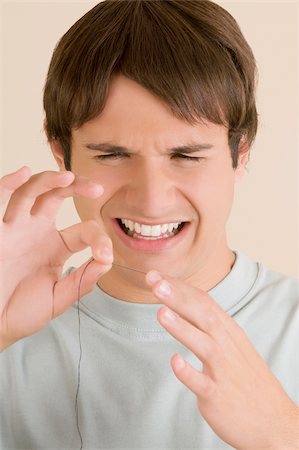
[{"x": 129, "y": 268}]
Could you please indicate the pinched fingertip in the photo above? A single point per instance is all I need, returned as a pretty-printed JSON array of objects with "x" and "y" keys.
[
  {"x": 106, "y": 253},
  {"x": 66, "y": 176},
  {"x": 103, "y": 252},
  {"x": 24, "y": 169},
  {"x": 152, "y": 277},
  {"x": 96, "y": 189},
  {"x": 82, "y": 186}
]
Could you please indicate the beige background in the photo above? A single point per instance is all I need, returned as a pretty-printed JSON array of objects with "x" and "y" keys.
[{"x": 264, "y": 220}]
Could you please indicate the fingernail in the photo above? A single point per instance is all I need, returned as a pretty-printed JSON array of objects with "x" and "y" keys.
[
  {"x": 95, "y": 187},
  {"x": 107, "y": 254},
  {"x": 164, "y": 289},
  {"x": 180, "y": 363},
  {"x": 153, "y": 276},
  {"x": 170, "y": 315},
  {"x": 66, "y": 175}
]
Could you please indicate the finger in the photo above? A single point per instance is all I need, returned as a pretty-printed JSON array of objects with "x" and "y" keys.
[
  {"x": 199, "y": 383},
  {"x": 11, "y": 182},
  {"x": 201, "y": 344},
  {"x": 189, "y": 305},
  {"x": 22, "y": 200},
  {"x": 66, "y": 291},
  {"x": 181, "y": 294},
  {"x": 86, "y": 234},
  {"x": 47, "y": 204},
  {"x": 200, "y": 309}
]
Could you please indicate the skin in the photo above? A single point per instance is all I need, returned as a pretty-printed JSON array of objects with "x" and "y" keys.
[
  {"x": 236, "y": 392},
  {"x": 31, "y": 269},
  {"x": 149, "y": 186},
  {"x": 153, "y": 187}
]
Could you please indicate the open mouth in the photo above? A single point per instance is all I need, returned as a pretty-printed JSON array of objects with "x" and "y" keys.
[{"x": 148, "y": 232}]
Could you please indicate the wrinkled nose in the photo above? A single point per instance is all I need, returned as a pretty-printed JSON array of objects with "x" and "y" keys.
[{"x": 151, "y": 191}]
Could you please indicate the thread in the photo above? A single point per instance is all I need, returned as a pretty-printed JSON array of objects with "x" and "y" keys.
[
  {"x": 129, "y": 268},
  {"x": 80, "y": 358},
  {"x": 80, "y": 345}
]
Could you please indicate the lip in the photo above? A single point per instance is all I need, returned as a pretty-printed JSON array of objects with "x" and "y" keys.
[{"x": 149, "y": 246}]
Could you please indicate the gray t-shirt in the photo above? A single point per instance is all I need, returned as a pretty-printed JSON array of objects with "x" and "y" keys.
[{"x": 129, "y": 397}]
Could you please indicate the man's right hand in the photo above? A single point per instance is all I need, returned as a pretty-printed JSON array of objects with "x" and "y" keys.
[{"x": 33, "y": 251}]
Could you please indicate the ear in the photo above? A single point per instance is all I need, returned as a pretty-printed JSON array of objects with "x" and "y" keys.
[
  {"x": 56, "y": 148},
  {"x": 243, "y": 152},
  {"x": 57, "y": 151}
]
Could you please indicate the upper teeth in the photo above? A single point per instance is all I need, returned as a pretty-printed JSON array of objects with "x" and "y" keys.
[{"x": 148, "y": 230}]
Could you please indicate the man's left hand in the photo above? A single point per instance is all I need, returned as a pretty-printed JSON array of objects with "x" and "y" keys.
[{"x": 237, "y": 394}]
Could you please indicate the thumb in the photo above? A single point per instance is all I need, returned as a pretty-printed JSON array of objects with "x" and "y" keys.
[{"x": 77, "y": 284}]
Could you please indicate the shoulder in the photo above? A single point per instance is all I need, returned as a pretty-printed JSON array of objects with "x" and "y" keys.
[
  {"x": 277, "y": 285},
  {"x": 273, "y": 303},
  {"x": 268, "y": 296},
  {"x": 37, "y": 349}
]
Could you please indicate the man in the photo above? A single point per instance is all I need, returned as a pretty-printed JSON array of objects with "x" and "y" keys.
[{"x": 177, "y": 341}]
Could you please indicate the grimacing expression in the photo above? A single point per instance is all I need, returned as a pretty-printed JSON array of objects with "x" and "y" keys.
[{"x": 152, "y": 181}]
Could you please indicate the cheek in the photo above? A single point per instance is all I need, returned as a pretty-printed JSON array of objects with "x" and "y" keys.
[
  {"x": 222, "y": 202},
  {"x": 111, "y": 178},
  {"x": 212, "y": 193},
  {"x": 96, "y": 209},
  {"x": 91, "y": 209},
  {"x": 107, "y": 177}
]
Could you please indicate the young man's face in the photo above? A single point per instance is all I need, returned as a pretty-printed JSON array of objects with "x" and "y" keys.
[{"x": 151, "y": 184}]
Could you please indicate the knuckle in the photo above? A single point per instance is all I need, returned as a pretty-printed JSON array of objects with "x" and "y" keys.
[
  {"x": 47, "y": 178},
  {"x": 207, "y": 390},
  {"x": 92, "y": 226},
  {"x": 28, "y": 188},
  {"x": 209, "y": 350},
  {"x": 41, "y": 176},
  {"x": 91, "y": 222},
  {"x": 210, "y": 321},
  {"x": 95, "y": 235},
  {"x": 104, "y": 241}
]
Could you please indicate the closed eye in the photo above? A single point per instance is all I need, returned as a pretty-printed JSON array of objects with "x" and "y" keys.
[
  {"x": 119, "y": 155},
  {"x": 188, "y": 158},
  {"x": 112, "y": 156}
]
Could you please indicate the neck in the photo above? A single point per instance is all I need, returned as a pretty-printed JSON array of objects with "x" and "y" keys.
[{"x": 129, "y": 285}]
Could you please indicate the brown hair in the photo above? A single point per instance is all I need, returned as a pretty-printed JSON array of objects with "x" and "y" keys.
[{"x": 190, "y": 53}]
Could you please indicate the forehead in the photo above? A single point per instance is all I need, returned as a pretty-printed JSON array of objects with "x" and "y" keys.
[{"x": 132, "y": 112}]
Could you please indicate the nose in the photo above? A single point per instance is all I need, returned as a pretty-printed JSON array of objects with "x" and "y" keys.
[{"x": 151, "y": 191}]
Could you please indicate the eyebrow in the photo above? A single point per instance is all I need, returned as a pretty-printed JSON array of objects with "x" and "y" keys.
[{"x": 186, "y": 148}]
